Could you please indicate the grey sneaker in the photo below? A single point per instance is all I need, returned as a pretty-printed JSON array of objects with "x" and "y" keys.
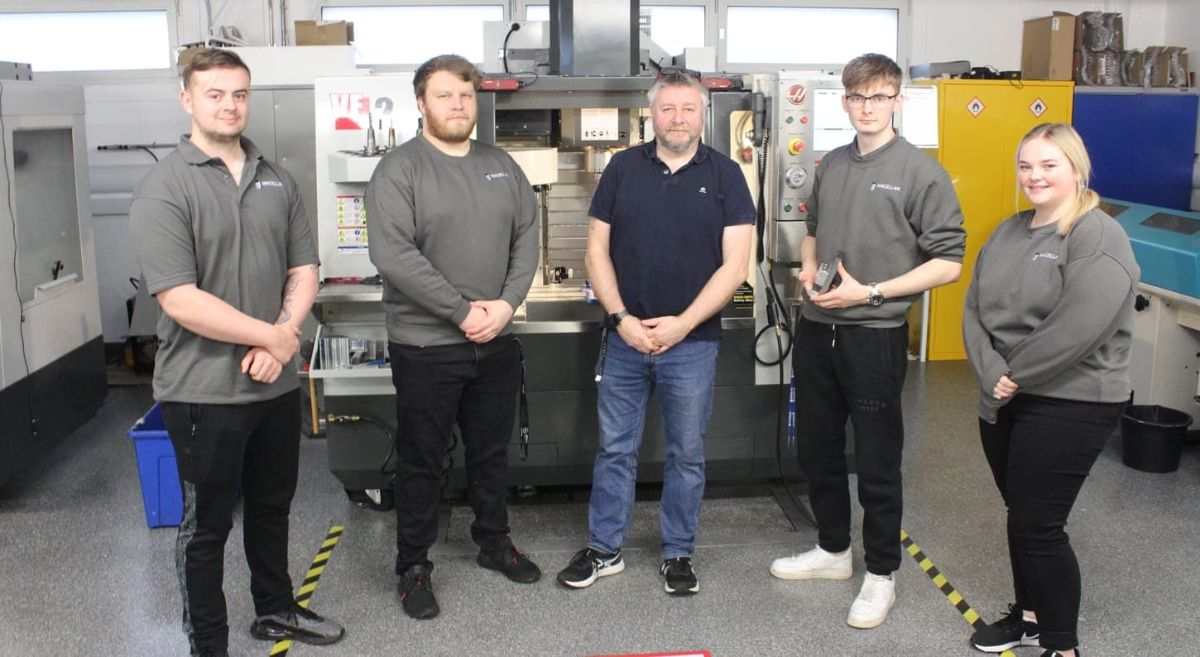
[{"x": 297, "y": 624}]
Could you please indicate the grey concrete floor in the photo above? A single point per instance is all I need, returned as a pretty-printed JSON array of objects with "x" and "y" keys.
[{"x": 83, "y": 575}]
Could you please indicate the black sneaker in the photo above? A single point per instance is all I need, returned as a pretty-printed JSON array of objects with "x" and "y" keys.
[
  {"x": 297, "y": 624},
  {"x": 589, "y": 564},
  {"x": 513, "y": 563},
  {"x": 1010, "y": 631},
  {"x": 212, "y": 652},
  {"x": 416, "y": 593},
  {"x": 1055, "y": 653},
  {"x": 679, "y": 575}
]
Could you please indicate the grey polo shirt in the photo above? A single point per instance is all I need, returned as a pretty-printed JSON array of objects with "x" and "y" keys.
[{"x": 191, "y": 224}]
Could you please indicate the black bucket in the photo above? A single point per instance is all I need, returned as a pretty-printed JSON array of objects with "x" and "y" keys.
[{"x": 1152, "y": 437}]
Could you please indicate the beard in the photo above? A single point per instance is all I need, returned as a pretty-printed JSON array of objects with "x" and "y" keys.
[
  {"x": 677, "y": 146},
  {"x": 447, "y": 133}
]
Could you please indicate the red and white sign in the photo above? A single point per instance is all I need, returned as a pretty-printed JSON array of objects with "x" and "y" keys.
[{"x": 694, "y": 653}]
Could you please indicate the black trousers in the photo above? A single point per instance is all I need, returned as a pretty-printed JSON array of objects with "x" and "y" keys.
[
  {"x": 854, "y": 372},
  {"x": 475, "y": 386},
  {"x": 1040, "y": 450},
  {"x": 219, "y": 449}
]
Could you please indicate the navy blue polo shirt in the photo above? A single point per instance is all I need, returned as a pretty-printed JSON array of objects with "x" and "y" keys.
[{"x": 666, "y": 228}]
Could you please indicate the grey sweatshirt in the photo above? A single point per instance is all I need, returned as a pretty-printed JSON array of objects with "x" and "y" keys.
[
  {"x": 1054, "y": 311},
  {"x": 445, "y": 231},
  {"x": 886, "y": 213}
]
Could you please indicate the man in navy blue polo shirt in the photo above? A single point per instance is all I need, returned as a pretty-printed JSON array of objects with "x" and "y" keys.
[{"x": 668, "y": 244}]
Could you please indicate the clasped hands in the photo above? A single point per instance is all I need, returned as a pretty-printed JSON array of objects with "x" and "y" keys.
[
  {"x": 485, "y": 320},
  {"x": 1005, "y": 387},
  {"x": 655, "y": 335},
  {"x": 265, "y": 364}
]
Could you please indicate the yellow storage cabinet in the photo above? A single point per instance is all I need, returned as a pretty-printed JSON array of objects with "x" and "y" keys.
[{"x": 981, "y": 122}]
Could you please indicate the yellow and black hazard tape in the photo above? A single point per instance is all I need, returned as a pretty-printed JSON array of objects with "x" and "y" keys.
[
  {"x": 960, "y": 603},
  {"x": 280, "y": 648}
]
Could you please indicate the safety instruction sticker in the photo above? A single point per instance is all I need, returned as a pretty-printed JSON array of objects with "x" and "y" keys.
[
  {"x": 1038, "y": 108},
  {"x": 975, "y": 107},
  {"x": 351, "y": 225},
  {"x": 599, "y": 124}
]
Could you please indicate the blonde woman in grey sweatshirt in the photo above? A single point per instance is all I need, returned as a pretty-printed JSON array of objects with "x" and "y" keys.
[{"x": 1047, "y": 327}]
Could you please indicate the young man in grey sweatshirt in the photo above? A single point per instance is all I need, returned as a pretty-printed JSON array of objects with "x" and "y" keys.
[
  {"x": 889, "y": 212},
  {"x": 454, "y": 236}
]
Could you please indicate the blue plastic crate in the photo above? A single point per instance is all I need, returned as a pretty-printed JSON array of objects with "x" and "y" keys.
[{"x": 162, "y": 496}]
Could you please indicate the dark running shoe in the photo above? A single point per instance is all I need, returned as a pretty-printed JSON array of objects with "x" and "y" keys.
[
  {"x": 513, "y": 563},
  {"x": 1055, "y": 653},
  {"x": 1011, "y": 631},
  {"x": 297, "y": 624},
  {"x": 679, "y": 575},
  {"x": 212, "y": 652},
  {"x": 416, "y": 593},
  {"x": 587, "y": 565}
]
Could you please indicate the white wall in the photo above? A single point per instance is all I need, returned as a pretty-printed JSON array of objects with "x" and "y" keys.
[{"x": 988, "y": 32}]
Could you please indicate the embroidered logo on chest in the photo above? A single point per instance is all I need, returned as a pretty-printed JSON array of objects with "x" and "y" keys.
[
  {"x": 1045, "y": 255},
  {"x": 703, "y": 190},
  {"x": 262, "y": 184},
  {"x": 499, "y": 175},
  {"x": 886, "y": 187}
]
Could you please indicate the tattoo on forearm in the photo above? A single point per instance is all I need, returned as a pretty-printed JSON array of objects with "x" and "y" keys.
[{"x": 289, "y": 288}]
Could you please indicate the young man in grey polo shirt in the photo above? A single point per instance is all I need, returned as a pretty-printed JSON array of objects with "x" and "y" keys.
[
  {"x": 454, "y": 236},
  {"x": 224, "y": 245}
]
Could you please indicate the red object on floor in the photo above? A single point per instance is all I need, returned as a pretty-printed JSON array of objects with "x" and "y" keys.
[{"x": 690, "y": 653}]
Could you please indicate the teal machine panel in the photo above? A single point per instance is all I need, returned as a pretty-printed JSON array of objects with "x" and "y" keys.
[{"x": 1165, "y": 242}]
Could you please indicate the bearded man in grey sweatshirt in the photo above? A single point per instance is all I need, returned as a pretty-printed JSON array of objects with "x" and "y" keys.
[{"x": 454, "y": 236}]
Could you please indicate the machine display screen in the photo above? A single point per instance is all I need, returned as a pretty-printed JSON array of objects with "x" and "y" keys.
[
  {"x": 1174, "y": 223},
  {"x": 831, "y": 124}
]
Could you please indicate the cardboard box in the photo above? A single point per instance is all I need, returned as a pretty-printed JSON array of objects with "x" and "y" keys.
[
  {"x": 312, "y": 33},
  {"x": 1170, "y": 68},
  {"x": 1047, "y": 47},
  {"x": 1133, "y": 72}
]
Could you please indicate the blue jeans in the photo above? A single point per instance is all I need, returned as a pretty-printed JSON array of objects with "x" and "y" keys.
[{"x": 683, "y": 377}]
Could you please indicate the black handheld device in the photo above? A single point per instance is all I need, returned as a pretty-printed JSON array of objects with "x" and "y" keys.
[{"x": 827, "y": 276}]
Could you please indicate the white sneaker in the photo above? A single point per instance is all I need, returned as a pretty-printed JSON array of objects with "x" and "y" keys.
[
  {"x": 814, "y": 564},
  {"x": 873, "y": 603}
]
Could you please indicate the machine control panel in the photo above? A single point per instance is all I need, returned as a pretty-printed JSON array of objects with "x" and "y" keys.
[{"x": 804, "y": 112}]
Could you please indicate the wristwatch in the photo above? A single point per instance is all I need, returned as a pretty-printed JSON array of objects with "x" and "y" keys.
[
  {"x": 874, "y": 294},
  {"x": 618, "y": 316}
]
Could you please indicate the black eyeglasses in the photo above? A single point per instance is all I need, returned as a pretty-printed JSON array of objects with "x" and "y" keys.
[{"x": 857, "y": 100}]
